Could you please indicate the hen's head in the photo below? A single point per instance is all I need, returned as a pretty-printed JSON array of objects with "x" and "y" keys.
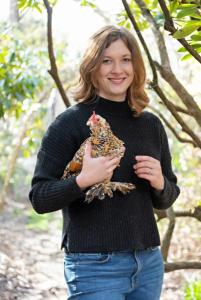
[{"x": 96, "y": 121}]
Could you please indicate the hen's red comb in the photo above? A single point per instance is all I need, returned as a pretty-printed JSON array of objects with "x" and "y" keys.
[{"x": 94, "y": 117}]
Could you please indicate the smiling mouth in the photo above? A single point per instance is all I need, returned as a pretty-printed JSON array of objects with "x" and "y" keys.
[{"x": 117, "y": 80}]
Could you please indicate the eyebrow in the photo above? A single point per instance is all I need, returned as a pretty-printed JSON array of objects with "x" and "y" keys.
[{"x": 124, "y": 55}]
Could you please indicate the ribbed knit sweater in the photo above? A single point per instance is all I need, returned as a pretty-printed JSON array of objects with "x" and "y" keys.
[{"x": 123, "y": 222}]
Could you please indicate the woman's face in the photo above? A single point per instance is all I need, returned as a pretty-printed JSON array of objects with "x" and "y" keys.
[{"x": 115, "y": 73}]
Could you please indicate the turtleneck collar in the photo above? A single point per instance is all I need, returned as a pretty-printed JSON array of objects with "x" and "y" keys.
[{"x": 119, "y": 108}]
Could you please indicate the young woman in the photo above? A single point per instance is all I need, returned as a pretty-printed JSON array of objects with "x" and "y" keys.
[{"x": 112, "y": 245}]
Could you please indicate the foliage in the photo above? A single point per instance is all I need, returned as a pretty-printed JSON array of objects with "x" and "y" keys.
[
  {"x": 22, "y": 73},
  {"x": 186, "y": 17},
  {"x": 193, "y": 291},
  {"x": 87, "y": 3},
  {"x": 33, "y": 4}
]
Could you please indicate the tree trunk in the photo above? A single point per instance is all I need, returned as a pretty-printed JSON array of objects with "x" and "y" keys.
[{"x": 14, "y": 12}]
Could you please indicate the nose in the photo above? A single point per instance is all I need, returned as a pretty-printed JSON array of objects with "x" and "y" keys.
[{"x": 117, "y": 68}]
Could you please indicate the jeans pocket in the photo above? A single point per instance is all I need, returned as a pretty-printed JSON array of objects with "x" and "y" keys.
[
  {"x": 155, "y": 248},
  {"x": 88, "y": 258}
]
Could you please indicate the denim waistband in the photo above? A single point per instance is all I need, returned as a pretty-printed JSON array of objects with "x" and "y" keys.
[{"x": 113, "y": 252}]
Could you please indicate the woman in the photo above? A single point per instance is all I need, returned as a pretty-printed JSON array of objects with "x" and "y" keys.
[{"x": 111, "y": 246}]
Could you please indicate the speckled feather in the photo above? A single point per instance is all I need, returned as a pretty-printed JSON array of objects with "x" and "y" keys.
[{"x": 103, "y": 142}]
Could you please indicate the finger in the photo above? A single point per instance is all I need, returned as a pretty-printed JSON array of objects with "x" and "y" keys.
[
  {"x": 141, "y": 171},
  {"x": 146, "y": 176},
  {"x": 144, "y": 164},
  {"x": 145, "y": 158},
  {"x": 88, "y": 149},
  {"x": 113, "y": 162}
]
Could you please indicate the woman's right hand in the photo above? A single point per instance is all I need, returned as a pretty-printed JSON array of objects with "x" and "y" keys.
[{"x": 95, "y": 170}]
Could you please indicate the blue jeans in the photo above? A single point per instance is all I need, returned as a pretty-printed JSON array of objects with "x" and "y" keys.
[{"x": 124, "y": 275}]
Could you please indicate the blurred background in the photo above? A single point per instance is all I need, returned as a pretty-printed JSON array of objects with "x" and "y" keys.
[{"x": 31, "y": 262}]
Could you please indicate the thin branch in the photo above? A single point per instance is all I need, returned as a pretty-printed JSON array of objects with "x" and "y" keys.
[
  {"x": 182, "y": 140},
  {"x": 156, "y": 30},
  {"x": 165, "y": 245},
  {"x": 174, "y": 112},
  {"x": 54, "y": 71},
  {"x": 134, "y": 23},
  {"x": 183, "y": 110},
  {"x": 169, "y": 267},
  {"x": 169, "y": 26},
  {"x": 196, "y": 213},
  {"x": 184, "y": 95}
]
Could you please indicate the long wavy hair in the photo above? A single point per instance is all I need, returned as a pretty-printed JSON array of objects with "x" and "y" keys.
[{"x": 92, "y": 59}]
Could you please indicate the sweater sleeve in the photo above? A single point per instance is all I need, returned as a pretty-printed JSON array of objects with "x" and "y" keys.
[
  {"x": 48, "y": 192},
  {"x": 165, "y": 198}
]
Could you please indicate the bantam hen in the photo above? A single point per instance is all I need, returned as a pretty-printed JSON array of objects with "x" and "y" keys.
[{"x": 104, "y": 143}]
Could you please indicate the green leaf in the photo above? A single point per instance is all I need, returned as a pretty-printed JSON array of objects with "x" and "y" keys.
[
  {"x": 195, "y": 46},
  {"x": 197, "y": 16},
  {"x": 182, "y": 49},
  {"x": 198, "y": 49},
  {"x": 187, "y": 5},
  {"x": 196, "y": 37},
  {"x": 21, "y": 3},
  {"x": 186, "y": 12},
  {"x": 1, "y": 110},
  {"x": 39, "y": 9},
  {"x": 173, "y": 6},
  {"x": 121, "y": 23},
  {"x": 83, "y": 3},
  {"x": 193, "y": 23},
  {"x": 186, "y": 57},
  {"x": 193, "y": 291},
  {"x": 187, "y": 30}
]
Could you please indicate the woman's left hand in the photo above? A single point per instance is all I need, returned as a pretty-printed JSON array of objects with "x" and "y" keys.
[{"x": 149, "y": 168}]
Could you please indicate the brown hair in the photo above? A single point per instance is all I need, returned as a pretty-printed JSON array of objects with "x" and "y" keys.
[{"x": 86, "y": 88}]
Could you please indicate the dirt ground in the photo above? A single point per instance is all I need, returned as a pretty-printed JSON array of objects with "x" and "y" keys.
[{"x": 31, "y": 263}]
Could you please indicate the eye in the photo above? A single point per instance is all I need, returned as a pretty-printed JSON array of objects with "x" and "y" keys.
[
  {"x": 106, "y": 61},
  {"x": 127, "y": 59}
]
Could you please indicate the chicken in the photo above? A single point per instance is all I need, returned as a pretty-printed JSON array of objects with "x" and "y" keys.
[{"x": 104, "y": 143}]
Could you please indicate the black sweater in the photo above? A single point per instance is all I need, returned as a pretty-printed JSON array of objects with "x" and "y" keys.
[{"x": 124, "y": 222}]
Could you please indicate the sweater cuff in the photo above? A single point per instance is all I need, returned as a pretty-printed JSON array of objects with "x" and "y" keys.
[
  {"x": 163, "y": 199},
  {"x": 75, "y": 189}
]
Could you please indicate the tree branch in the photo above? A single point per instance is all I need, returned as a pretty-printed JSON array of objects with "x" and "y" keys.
[
  {"x": 182, "y": 140},
  {"x": 165, "y": 245},
  {"x": 169, "y": 267},
  {"x": 156, "y": 30},
  {"x": 183, "y": 110},
  {"x": 165, "y": 67},
  {"x": 183, "y": 94},
  {"x": 174, "y": 112},
  {"x": 154, "y": 83},
  {"x": 54, "y": 71},
  {"x": 196, "y": 213},
  {"x": 169, "y": 26},
  {"x": 134, "y": 23}
]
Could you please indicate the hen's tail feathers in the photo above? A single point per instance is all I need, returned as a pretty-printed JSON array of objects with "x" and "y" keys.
[{"x": 100, "y": 190}]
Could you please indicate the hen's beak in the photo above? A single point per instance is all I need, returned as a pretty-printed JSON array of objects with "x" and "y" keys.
[{"x": 92, "y": 120}]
